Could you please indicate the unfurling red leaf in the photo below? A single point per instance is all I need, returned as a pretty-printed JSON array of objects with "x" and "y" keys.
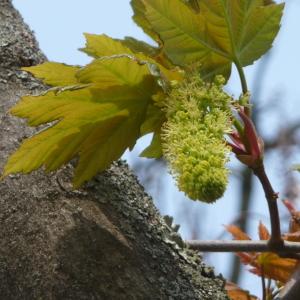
[
  {"x": 236, "y": 293},
  {"x": 294, "y": 226},
  {"x": 269, "y": 264},
  {"x": 237, "y": 233},
  {"x": 263, "y": 232},
  {"x": 274, "y": 267},
  {"x": 215, "y": 33}
]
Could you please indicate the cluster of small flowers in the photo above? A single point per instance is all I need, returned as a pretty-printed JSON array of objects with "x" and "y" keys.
[{"x": 198, "y": 116}]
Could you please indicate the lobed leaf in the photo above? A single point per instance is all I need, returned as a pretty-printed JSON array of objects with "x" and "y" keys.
[
  {"x": 275, "y": 267},
  {"x": 60, "y": 143},
  {"x": 97, "y": 121},
  {"x": 236, "y": 293},
  {"x": 102, "y": 45},
  {"x": 269, "y": 264},
  {"x": 154, "y": 150},
  {"x": 219, "y": 33},
  {"x": 55, "y": 74},
  {"x": 104, "y": 48}
]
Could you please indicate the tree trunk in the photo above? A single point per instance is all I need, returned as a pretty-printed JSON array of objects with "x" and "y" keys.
[{"x": 104, "y": 241}]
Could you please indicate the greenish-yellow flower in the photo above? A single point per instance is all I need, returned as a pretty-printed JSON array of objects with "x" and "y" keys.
[{"x": 198, "y": 116}]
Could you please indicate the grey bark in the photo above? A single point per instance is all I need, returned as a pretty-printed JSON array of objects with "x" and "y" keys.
[{"x": 105, "y": 241}]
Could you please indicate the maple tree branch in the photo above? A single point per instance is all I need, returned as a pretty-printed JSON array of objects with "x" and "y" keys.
[
  {"x": 271, "y": 197},
  {"x": 244, "y": 246}
]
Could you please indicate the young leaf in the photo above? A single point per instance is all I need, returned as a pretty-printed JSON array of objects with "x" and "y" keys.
[
  {"x": 237, "y": 233},
  {"x": 103, "y": 47},
  {"x": 236, "y": 293},
  {"x": 58, "y": 144},
  {"x": 55, "y": 74},
  {"x": 263, "y": 232},
  {"x": 270, "y": 264},
  {"x": 140, "y": 19},
  {"x": 294, "y": 225},
  {"x": 97, "y": 122},
  {"x": 98, "y": 46},
  {"x": 222, "y": 33},
  {"x": 275, "y": 267},
  {"x": 111, "y": 72},
  {"x": 154, "y": 150}
]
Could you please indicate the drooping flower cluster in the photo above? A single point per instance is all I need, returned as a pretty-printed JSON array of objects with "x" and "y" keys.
[{"x": 198, "y": 116}]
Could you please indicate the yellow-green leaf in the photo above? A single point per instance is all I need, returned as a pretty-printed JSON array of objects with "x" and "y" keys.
[
  {"x": 55, "y": 74},
  {"x": 154, "y": 150},
  {"x": 102, "y": 45},
  {"x": 98, "y": 46},
  {"x": 97, "y": 122},
  {"x": 98, "y": 152},
  {"x": 138, "y": 46},
  {"x": 108, "y": 50},
  {"x": 154, "y": 119},
  {"x": 113, "y": 71},
  {"x": 275, "y": 267},
  {"x": 50, "y": 107},
  {"x": 224, "y": 31},
  {"x": 58, "y": 144},
  {"x": 156, "y": 53},
  {"x": 140, "y": 19}
]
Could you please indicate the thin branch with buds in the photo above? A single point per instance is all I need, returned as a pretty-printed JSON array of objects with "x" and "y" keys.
[{"x": 245, "y": 246}]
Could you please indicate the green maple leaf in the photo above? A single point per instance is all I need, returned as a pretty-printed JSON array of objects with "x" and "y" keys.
[
  {"x": 102, "y": 111},
  {"x": 55, "y": 74},
  {"x": 215, "y": 33},
  {"x": 154, "y": 150},
  {"x": 153, "y": 122},
  {"x": 101, "y": 46}
]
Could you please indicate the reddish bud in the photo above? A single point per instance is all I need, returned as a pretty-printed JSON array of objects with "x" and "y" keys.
[{"x": 247, "y": 145}]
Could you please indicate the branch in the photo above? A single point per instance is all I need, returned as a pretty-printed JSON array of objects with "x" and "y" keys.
[
  {"x": 243, "y": 246},
  {"x": 271, "y": 197}
]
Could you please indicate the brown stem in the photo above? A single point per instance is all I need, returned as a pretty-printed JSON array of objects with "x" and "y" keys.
[
  {"x": 271, "y": 197},
  {"x": 286, "y": 249}
]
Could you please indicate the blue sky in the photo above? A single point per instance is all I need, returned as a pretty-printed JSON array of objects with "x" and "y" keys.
[{"x": 59, "y": 24}]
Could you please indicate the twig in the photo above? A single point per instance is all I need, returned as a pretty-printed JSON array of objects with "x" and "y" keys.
[
  {"x": 271, "y": 197},
  {"x": 244, "y": 246}
]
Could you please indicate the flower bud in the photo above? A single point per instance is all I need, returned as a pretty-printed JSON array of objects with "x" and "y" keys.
[{"x": 198, "y": 116}]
